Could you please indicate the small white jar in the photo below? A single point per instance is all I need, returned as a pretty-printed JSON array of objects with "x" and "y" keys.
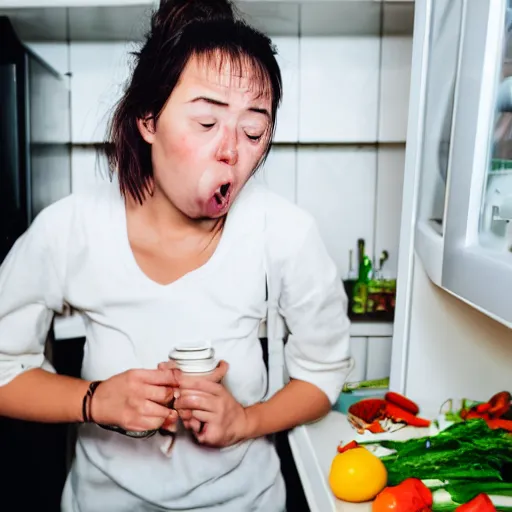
[{"x": 198, "y": 360}]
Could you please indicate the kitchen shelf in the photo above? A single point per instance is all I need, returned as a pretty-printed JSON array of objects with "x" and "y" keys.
[
  {"x": 504, "y": 172},
  {"x": 373, "y": 329}
]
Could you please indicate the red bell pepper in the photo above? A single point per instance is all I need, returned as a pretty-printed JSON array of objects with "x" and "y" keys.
[
  {"x": 412, "y": 495},
  {"x": 403, "y": 402},
  {"x": 482, "y": 503}
]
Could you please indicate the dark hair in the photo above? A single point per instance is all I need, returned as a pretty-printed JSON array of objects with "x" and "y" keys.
[{"x": 181, "y": 29}]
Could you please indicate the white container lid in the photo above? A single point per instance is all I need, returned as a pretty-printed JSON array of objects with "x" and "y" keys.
[
  {"x": 194, "y": 359},
  {"x": 191, "y": 353}
]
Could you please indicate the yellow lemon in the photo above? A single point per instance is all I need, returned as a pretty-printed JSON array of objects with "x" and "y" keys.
[{"x": 357, "y": 475}]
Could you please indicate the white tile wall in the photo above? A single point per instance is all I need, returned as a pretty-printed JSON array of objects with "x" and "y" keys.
[
  {"x": 99, "y": 72},
  {"x": 378, "y": 364},
  {"x": 359, "y": 351},
  {"x": 287, "y": 127},
  {"x": 337, "y": 185},
  {"x": 394, "y": 90},
  {"x": 279, "y": 172},
  {"x": 55, "y": 54},
  {"x": 339, "y": 79},
  {"x": 388, "y": 207},
  {"x": 88, "y": 166}
]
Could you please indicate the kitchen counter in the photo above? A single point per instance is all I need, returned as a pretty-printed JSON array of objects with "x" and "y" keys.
[{"x": 314, "y": 446}]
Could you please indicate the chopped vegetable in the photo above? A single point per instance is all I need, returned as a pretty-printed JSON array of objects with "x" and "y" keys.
[
  {"x": 481, "y": 503},
  {"x": 348, "y": 446},
  {"x": 366, "y": 384},
  {"x": 402, "y": 416},
  {"x": 403, "y": 402},
  {"x": 410, "y": 496}
]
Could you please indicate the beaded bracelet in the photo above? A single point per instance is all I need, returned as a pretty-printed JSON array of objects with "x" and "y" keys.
[{"x": 86, "y": 402}]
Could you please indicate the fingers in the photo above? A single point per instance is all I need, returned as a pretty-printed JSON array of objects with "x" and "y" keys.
[
  {"x": 144, "y": 421},
  {"x": 170, "y": 422},
  {"x": 203, "y": 416},
  {"x": 192, "y": 401},
  {"x": 220, "y": 372},
  {"x": 193, "y": 425},
  {"x": 198, "y": 384},
  {"x": 160, "y": 394},
  {"x": 167, "y": 365},
  {"x": 185, "y": 414},
  {"x": 152, "y": 409},
  {"x": 159, "y": 377}
]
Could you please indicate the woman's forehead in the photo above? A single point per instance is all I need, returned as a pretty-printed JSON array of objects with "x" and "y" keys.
[{"x": 232, "y": 73}]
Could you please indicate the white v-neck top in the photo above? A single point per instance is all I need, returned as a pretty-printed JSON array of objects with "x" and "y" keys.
[{"x": 77, "y": 252}]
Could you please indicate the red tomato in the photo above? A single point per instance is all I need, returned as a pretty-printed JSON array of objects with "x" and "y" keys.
[{"x": 482, "y": 503}]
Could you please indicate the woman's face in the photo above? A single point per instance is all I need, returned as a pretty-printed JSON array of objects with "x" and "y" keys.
[{"x": 209, "y": 137}]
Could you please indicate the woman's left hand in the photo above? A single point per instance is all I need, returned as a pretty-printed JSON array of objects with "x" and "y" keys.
[{"x": 224, "y": 419}]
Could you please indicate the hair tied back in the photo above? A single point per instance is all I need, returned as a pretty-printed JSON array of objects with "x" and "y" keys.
[{"x": 174, "y": 15}]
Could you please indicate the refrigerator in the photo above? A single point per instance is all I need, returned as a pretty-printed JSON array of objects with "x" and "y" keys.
[
  {"x": 35, "y": 150},
  {"x": 453, "y": 324}
]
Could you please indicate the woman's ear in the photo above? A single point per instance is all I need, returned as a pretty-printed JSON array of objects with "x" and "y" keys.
[{"x": 146, "y": 126}]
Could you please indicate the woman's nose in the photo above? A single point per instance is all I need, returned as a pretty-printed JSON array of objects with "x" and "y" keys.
[{"x": 228, "y": 150}]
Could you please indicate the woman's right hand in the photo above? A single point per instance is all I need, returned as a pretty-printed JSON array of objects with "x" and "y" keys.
[{"x": 136, "y": 400}]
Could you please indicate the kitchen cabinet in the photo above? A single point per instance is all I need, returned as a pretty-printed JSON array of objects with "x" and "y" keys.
[
  {"x": 478, "y": 234},
  {"x": 437, "y": 129},
  {"x": 463, "y": 228}
]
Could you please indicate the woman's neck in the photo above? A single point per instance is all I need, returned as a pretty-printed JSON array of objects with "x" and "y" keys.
[{"x": 161, "y": 217}]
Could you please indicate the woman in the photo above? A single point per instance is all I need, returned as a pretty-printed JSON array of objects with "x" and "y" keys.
[{"x": 179, "y": 250}]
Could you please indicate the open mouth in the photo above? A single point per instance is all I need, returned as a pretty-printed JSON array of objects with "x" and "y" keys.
[{"x": 221, "y": 195}]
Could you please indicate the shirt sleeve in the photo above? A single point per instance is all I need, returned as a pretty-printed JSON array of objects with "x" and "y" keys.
[
  {"x": 313, "y": 303},
  {"x": 30, "y": 292}
]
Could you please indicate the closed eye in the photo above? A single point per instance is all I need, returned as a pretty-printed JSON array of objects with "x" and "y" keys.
[
  {"x": 207, "y": 125},
  {"x": 254, "y": 138}
]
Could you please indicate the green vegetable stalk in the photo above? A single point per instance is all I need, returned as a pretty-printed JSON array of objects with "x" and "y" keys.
[{"x": 464, "y": 460}]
